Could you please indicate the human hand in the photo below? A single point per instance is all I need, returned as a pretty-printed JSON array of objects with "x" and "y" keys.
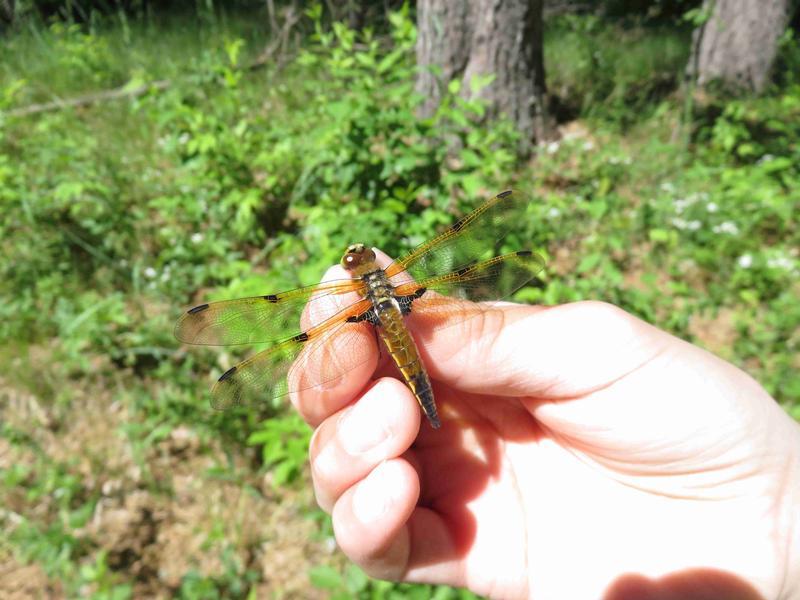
[{"x": 583, "y": 453}]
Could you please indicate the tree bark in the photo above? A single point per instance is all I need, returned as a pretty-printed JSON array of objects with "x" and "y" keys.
[
  {"x": 7, "y": 11},
  {"x": 736, "y": 46},
  {"x": 503, "y": 38}
]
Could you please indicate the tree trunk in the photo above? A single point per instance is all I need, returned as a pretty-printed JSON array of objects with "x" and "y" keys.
[
  {"x": 462, "y": 40},
  {"x": 736, "y": 46},
  {"x": 7, "y": 11}
]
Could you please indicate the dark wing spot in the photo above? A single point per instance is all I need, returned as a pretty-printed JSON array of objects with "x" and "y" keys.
[
  {"x": 457, "y": 225},
  {"x": 301, "y": 337},
  {"x": 504, "y": 194},
  {"x": 419, "y": 292},
  {"x": 524, "y": 252},
  {"x": 197, "y": 309},
  {"x": 228, "y": 374},
  {"x": 464, "y": 271},
  {"x": 271, "y": 298},
  {"x": 368, "y": 315}
]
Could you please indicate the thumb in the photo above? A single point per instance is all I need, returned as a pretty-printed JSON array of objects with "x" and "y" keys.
[
  {"x": 550, "y": 353},
  {"x": 635, "y": 392}
]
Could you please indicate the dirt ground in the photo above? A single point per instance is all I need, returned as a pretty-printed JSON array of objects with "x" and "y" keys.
[{"x": 161, "y": 512}]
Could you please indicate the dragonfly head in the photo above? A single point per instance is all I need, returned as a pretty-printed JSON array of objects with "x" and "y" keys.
[{"x": 358, "y": 259}]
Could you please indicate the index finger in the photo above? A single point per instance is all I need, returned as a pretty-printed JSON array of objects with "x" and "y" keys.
[{"x": 329, "y": 373}]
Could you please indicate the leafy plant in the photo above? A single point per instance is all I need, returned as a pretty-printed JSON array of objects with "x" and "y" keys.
[
  {"x": 235, "y": 181},
  {"x": 353, "y": 584},
  {"x": 284, "y": 446}
]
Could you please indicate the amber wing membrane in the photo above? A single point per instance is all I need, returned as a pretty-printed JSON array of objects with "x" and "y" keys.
[
  {"x": 303, "y": 357},
  {"x": 493, "y": 279},
  {"x": 258, "y": 319},
  {"x": 475, "y": 236},
  {"x": 317, "y": 356}
]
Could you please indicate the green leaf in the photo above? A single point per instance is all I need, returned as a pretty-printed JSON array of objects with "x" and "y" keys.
[
  {"x": 589, "y": 262},
  {"x": 472, "y": 184},
  {"x": 479, "y": 82},
  {"x": 355, "y": 579},
  {"x": 597, "y": 208},
  {"x": 395, "y": 206},
  {"x": 659, "y": 235},
  {"x": 779, "y": 163},
  {"x": 161, "y": 432},
  {"x": 325, "y": 577}
]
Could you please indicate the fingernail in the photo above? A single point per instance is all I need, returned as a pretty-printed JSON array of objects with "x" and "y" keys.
[
  {"x": 373, "y": 496},
  {"x": 363, "y": 427}
]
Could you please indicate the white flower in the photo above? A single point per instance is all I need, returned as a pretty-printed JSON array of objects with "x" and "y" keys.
[
  {"x": 552, "y": 147},
  {"x": 726, "y": 227},
  {"x": 712, "y": 207},
  {"x": 197, "y": 238},
  {"x": 553, "y": 212},
  {"x": 622, "y": 160},
  {"x": 667, "y": 187},
  {"x": 679, "y": 223},
  {"x": 780, "y": 262},
  {"x": 183, "y": 138},
  {"x": 588, "y": 145},
  {"x": 150, "y": 273},
  {"x": 745, "y": 261},
  {"x": 681, "y": 204},
  {"x": 693, "y": 225}
]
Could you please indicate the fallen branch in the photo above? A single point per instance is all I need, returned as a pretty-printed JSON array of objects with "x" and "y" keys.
[
  {"x": 279, "y": 46},
  {"x": 122, "y": 92}
]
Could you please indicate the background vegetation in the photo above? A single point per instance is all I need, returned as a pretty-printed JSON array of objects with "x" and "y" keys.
[{"x": 116, "y": 478}]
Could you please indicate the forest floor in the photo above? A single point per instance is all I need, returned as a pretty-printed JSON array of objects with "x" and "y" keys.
[
  {"x": 116, "y": 478},
  {"x": 159, "y": 514}
]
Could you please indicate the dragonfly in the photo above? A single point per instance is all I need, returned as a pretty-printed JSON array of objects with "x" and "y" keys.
[{"x": 449, "y": 279}]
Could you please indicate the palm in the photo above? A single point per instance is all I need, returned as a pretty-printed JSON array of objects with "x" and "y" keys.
[
  {"x": 583, "y": 453},
  {"x": 524, "y": 492},
  {"x": 469, "y": 479}
]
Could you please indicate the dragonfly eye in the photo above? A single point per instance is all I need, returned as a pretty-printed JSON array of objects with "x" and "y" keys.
[{"x": 357, "y": 256}]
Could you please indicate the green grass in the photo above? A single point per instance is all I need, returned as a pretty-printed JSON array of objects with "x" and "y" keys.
[
  {"x": 61, "y": 60},
  {"x": 235, "y": 182},
  {"x": 612, "y": 73}
]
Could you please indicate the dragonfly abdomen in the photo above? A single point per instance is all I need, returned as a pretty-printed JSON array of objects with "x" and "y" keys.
[
  {"x": 421, "y": 386},
  {"x": 405, "y": 354}
]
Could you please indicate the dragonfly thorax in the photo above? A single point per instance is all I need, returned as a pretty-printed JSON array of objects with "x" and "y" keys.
[{"x": 379, "y": 289}]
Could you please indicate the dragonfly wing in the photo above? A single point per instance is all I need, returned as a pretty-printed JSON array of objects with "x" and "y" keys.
[
  {"x": 476, "y": 236},
  {"x": 316, "y": 357},
  {"x": 258, "y": 319},
  {"x": 492, "y": 279},
  {"x": 458, "y": 296}
]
